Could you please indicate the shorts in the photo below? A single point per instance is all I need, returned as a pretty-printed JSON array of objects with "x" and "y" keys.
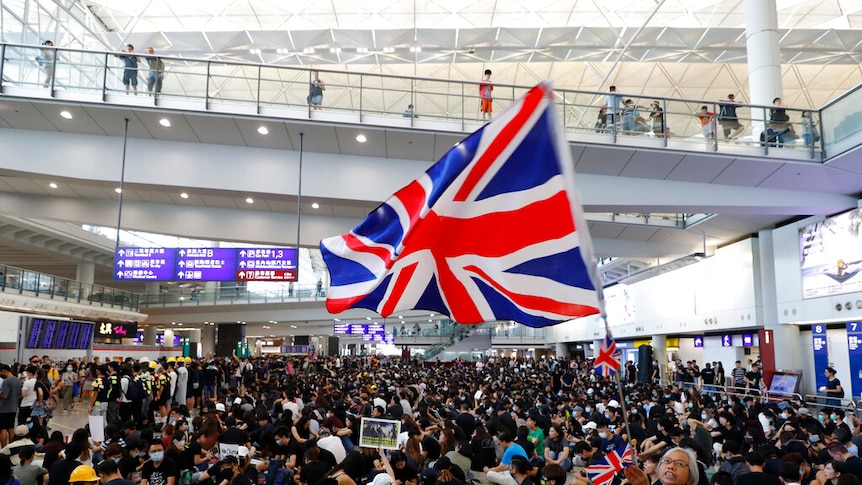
[
  {"x": 130, "y": 76},
  {"x": 729, "y": 125},
  {"x": 7, "y": 420},
  {"x": 317, "y": 99},
  {"x": 39, "y": 411},
  {"x": 485, "y": 105},
  {"x": 88, "y": 385}
]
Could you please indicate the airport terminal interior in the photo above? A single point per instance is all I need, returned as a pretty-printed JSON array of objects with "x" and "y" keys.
[{"x": 245, "y": 132}]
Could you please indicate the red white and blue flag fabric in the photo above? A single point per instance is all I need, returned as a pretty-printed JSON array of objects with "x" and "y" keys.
[
  {"x": 492, "y": 231},
  {"x": 606, "y": 468},
  {"x": 609, "y": 357}
]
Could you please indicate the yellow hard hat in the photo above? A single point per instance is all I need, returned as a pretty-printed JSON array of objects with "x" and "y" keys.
[
  {"x": 188, "y": 360},
  {"x": 83, "y": 473},
  {"x": 153, "y": 364},
  {"x": 171, "y": 359}
]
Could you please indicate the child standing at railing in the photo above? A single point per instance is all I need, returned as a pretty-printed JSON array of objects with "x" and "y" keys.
[{"x": 46, "y": 62}]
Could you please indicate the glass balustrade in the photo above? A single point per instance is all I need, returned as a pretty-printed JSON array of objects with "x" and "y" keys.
[
  {"x": 442, "y": 105},
  {"x": 41, "y": 285}
]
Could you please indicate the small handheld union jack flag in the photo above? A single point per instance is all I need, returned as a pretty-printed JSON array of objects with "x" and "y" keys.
[
  {"x": 605, "y": 469},
  {"x": 608, "y": 360},
  {"x": 493, "y": 231}
]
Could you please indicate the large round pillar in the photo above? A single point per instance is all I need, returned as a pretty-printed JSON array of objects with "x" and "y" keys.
[
  {"x": 764, "y": 57},
  {"x": 597, "y": 347},
  {"x": 85, "y": 274},
  {"x": 562, "y": 350},
  {"x": 207, "y": 340},
  {"x": 150, "y": 335},
  {"x": 659, "y": 352},
  {"x": 790, "y": 356},
  {"x": 169, "y": 338}
]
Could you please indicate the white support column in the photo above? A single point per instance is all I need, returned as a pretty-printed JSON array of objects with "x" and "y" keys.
[
  {"x": 764, "y": 57},
  {"x": 659, "y": 352},
  {"x": 562, "y": 350},
  {"x": 150, "y": 335},
  {"x": 790, "y": 356},
  {"x": 86, "y": 273},
  {"x": 597, "y": 347},
  {"x": 169, "y": 338},
  {"x": 207, "y": 340}
]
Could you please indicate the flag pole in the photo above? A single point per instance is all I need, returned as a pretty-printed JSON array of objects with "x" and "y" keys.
[{"x": 622, "y": 399}]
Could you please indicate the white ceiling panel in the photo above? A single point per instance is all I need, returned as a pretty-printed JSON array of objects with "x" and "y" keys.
[
  {"x": 410, "y": 145},
  {"x": 216, "y": 129},
  {"x": 651, "y": 165},
  {"x": 699, "y": 168},
  {"x": 603, "y": 160}
]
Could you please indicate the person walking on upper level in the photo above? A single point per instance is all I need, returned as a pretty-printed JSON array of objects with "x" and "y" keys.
[
  {"x": 46, "y": 62},
  {"x": 612, "y": 106},
  {"x": 485, "y": 98},
  {"x": 130, "y": 70},
  {"x": 316, "y": 89},
  {"x": 728, "y": 119},
  {"x": 157, "y": 72}
]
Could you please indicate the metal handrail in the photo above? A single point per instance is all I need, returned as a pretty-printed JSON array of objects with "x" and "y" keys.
[{"x": 379, "y": 88}]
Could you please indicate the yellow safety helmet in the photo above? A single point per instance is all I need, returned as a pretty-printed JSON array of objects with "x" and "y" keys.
[
  {"x": 188, "y": 360},
  {"x": 83, "y": 473},
  {"x": 153, "y": 364},
  {"x": 171, "y": 359}
]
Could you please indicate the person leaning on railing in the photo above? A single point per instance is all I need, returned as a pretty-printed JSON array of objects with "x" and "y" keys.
[{"x": 157, "y": 72}]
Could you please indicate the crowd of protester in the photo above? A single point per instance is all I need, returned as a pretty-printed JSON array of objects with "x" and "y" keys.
[{"x": 288, "y": 420}]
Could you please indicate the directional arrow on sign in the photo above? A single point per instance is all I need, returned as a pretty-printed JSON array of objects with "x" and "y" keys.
[
  {"x": 181, "y": 264},
  {"x": 242, "y": 264},
  {"x": 119, "y": 274},
  {"x": 242, "y": 253},
  {"x": 180, "y": 275},
  {"x": 122, "y": 252},
  {"x": 120, "y": 263},
  {"x": 182, "y": 252},
  {"x": 241, "y": 274}
]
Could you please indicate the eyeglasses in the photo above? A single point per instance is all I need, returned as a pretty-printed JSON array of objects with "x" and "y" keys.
[{"x": 676, "y": 463}]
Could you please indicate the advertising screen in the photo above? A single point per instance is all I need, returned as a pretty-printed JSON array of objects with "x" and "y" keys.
[{"x": 830, "y": 255}]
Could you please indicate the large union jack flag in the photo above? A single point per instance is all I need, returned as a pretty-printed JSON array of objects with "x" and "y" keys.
[
  {"x": 606, "y": 468},
  {"x": 492, "y": 231},
  {"x": 609, "y": 357}
]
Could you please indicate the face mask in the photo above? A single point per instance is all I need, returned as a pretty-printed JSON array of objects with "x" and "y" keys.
[
  {"x": 833, "y": 417},
  {"x": 157, "y": 456},
  {"x": 690, "y": 405},
  {"x": 69, "y": 369},
  {"x": 603, "y": 435},
  {"x": 783, "y": 415},
  {"x": 607, "y": 416},
  {"x": 587, "y": 410},
  {"x": 813, "y": 438},
  {"x": 179, "y": 443},
  {"x": 704, "y": 417},
  {"x": 117, "y": 459},
  {"x": 667, "y": 396},
  {"x": 822, "y": 418},
  {"x": 748, "y": 440},
  {"x": 634, "y": 411}
]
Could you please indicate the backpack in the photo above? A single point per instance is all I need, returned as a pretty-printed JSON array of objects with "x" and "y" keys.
[{"x": 135, "y": 391}]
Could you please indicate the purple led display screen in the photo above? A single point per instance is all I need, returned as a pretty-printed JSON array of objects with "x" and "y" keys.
[
  {"x": 59, "y": 334},
  {"x": 206, "y": 264}
]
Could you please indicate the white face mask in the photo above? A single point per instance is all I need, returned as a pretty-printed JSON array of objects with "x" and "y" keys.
[{"x": 603, "y": 435}]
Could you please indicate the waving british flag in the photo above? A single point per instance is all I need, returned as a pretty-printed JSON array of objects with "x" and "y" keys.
[
  {"x": 492, "y": 231},
  {"x": 609, "y": 357},
  {"x": 605, "y": 469}
]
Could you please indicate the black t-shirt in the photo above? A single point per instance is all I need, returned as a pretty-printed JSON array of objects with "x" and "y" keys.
[
  {"x": 187, "y": 461},
  {"x": 234, "y": 436},
  {"x": 405, "y": 474},
  {"x": 708, "y": 376},
  {"x": 757, "y": 478},
  {"x": 160, "y": 475},
  {"x": 312, "y": 472},
  {"x": 432, "y": 448},
  {"x": 61, "y": 470},
  {"x": 128, "y": 464}
]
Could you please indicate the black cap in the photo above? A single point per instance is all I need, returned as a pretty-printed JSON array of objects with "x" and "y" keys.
[{"x": 230, "y": 459}]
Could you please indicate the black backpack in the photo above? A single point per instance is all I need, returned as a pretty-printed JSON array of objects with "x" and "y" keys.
[{"x": 135, "y": 391}]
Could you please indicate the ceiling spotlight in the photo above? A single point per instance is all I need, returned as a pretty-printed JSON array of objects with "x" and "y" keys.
[
  {"x": 335, "y": 50},
  {"x": 361, "y": 138},
  {"x": 184, "y": 195},
  {"x": 52, "y": 185},
  {"x": 362, "y": 50},
  {"x": 416, "y": 49},
  {"x": 118, "y": 190},
  {"x": 66, "y": 115},
  {"x": 165, "y": 122},
  {"x": 315, "y": 205},
  {"x": 249, "y": 200},
  {"x": 263, "y": 130},
  {"x": 388, "y": 50},
  {"x": 308, "y": 50}
]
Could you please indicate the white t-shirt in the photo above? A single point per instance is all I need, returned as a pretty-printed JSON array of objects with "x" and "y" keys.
[{"x": 28, "y": 391}]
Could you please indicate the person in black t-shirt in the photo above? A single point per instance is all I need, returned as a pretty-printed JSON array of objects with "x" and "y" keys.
[
  {"x": 314, "y": 469},
  {"x": 755, "y": 475},
  {"x": 159, "y": 470}
]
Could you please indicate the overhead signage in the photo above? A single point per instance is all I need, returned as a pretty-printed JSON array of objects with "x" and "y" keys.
[
  {"x": 206, "y": 264},
  {"x": 726, "y": 341},
  {"x": 747, "y": 340},
  {"x": 698, "y": 341},
  {"x": 364, "y": 330}
]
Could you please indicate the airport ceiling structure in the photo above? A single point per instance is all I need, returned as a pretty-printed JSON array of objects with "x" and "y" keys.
[{"x": 673, "y": 48}]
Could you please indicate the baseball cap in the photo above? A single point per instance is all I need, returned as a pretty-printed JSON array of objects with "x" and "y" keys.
[
  {"x": 382, "y": 479},
  {"x": 591, "y": 425},
  {"x": 220, "y": 407},
  {"x": 804, "y": 412},
  {"x": 21, "y": 430},
  {"x": 243, "y": 451},
  {"x": 614, "y": 403}
]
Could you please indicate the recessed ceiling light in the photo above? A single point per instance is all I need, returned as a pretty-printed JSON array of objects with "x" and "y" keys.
[
  {"x": 165, "y": 122},
  {"x": 184, "y": 195},
  {"x": 361, "y": 138},
  {"x": 52, "y": 185},
  {"x": 118, "y": 190},
  {"x": 315, "y": 205},
  {"x": 263, "y": 130},
  {"x": 65, "y": 114},
  {"x": 249, "y": 200}
]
